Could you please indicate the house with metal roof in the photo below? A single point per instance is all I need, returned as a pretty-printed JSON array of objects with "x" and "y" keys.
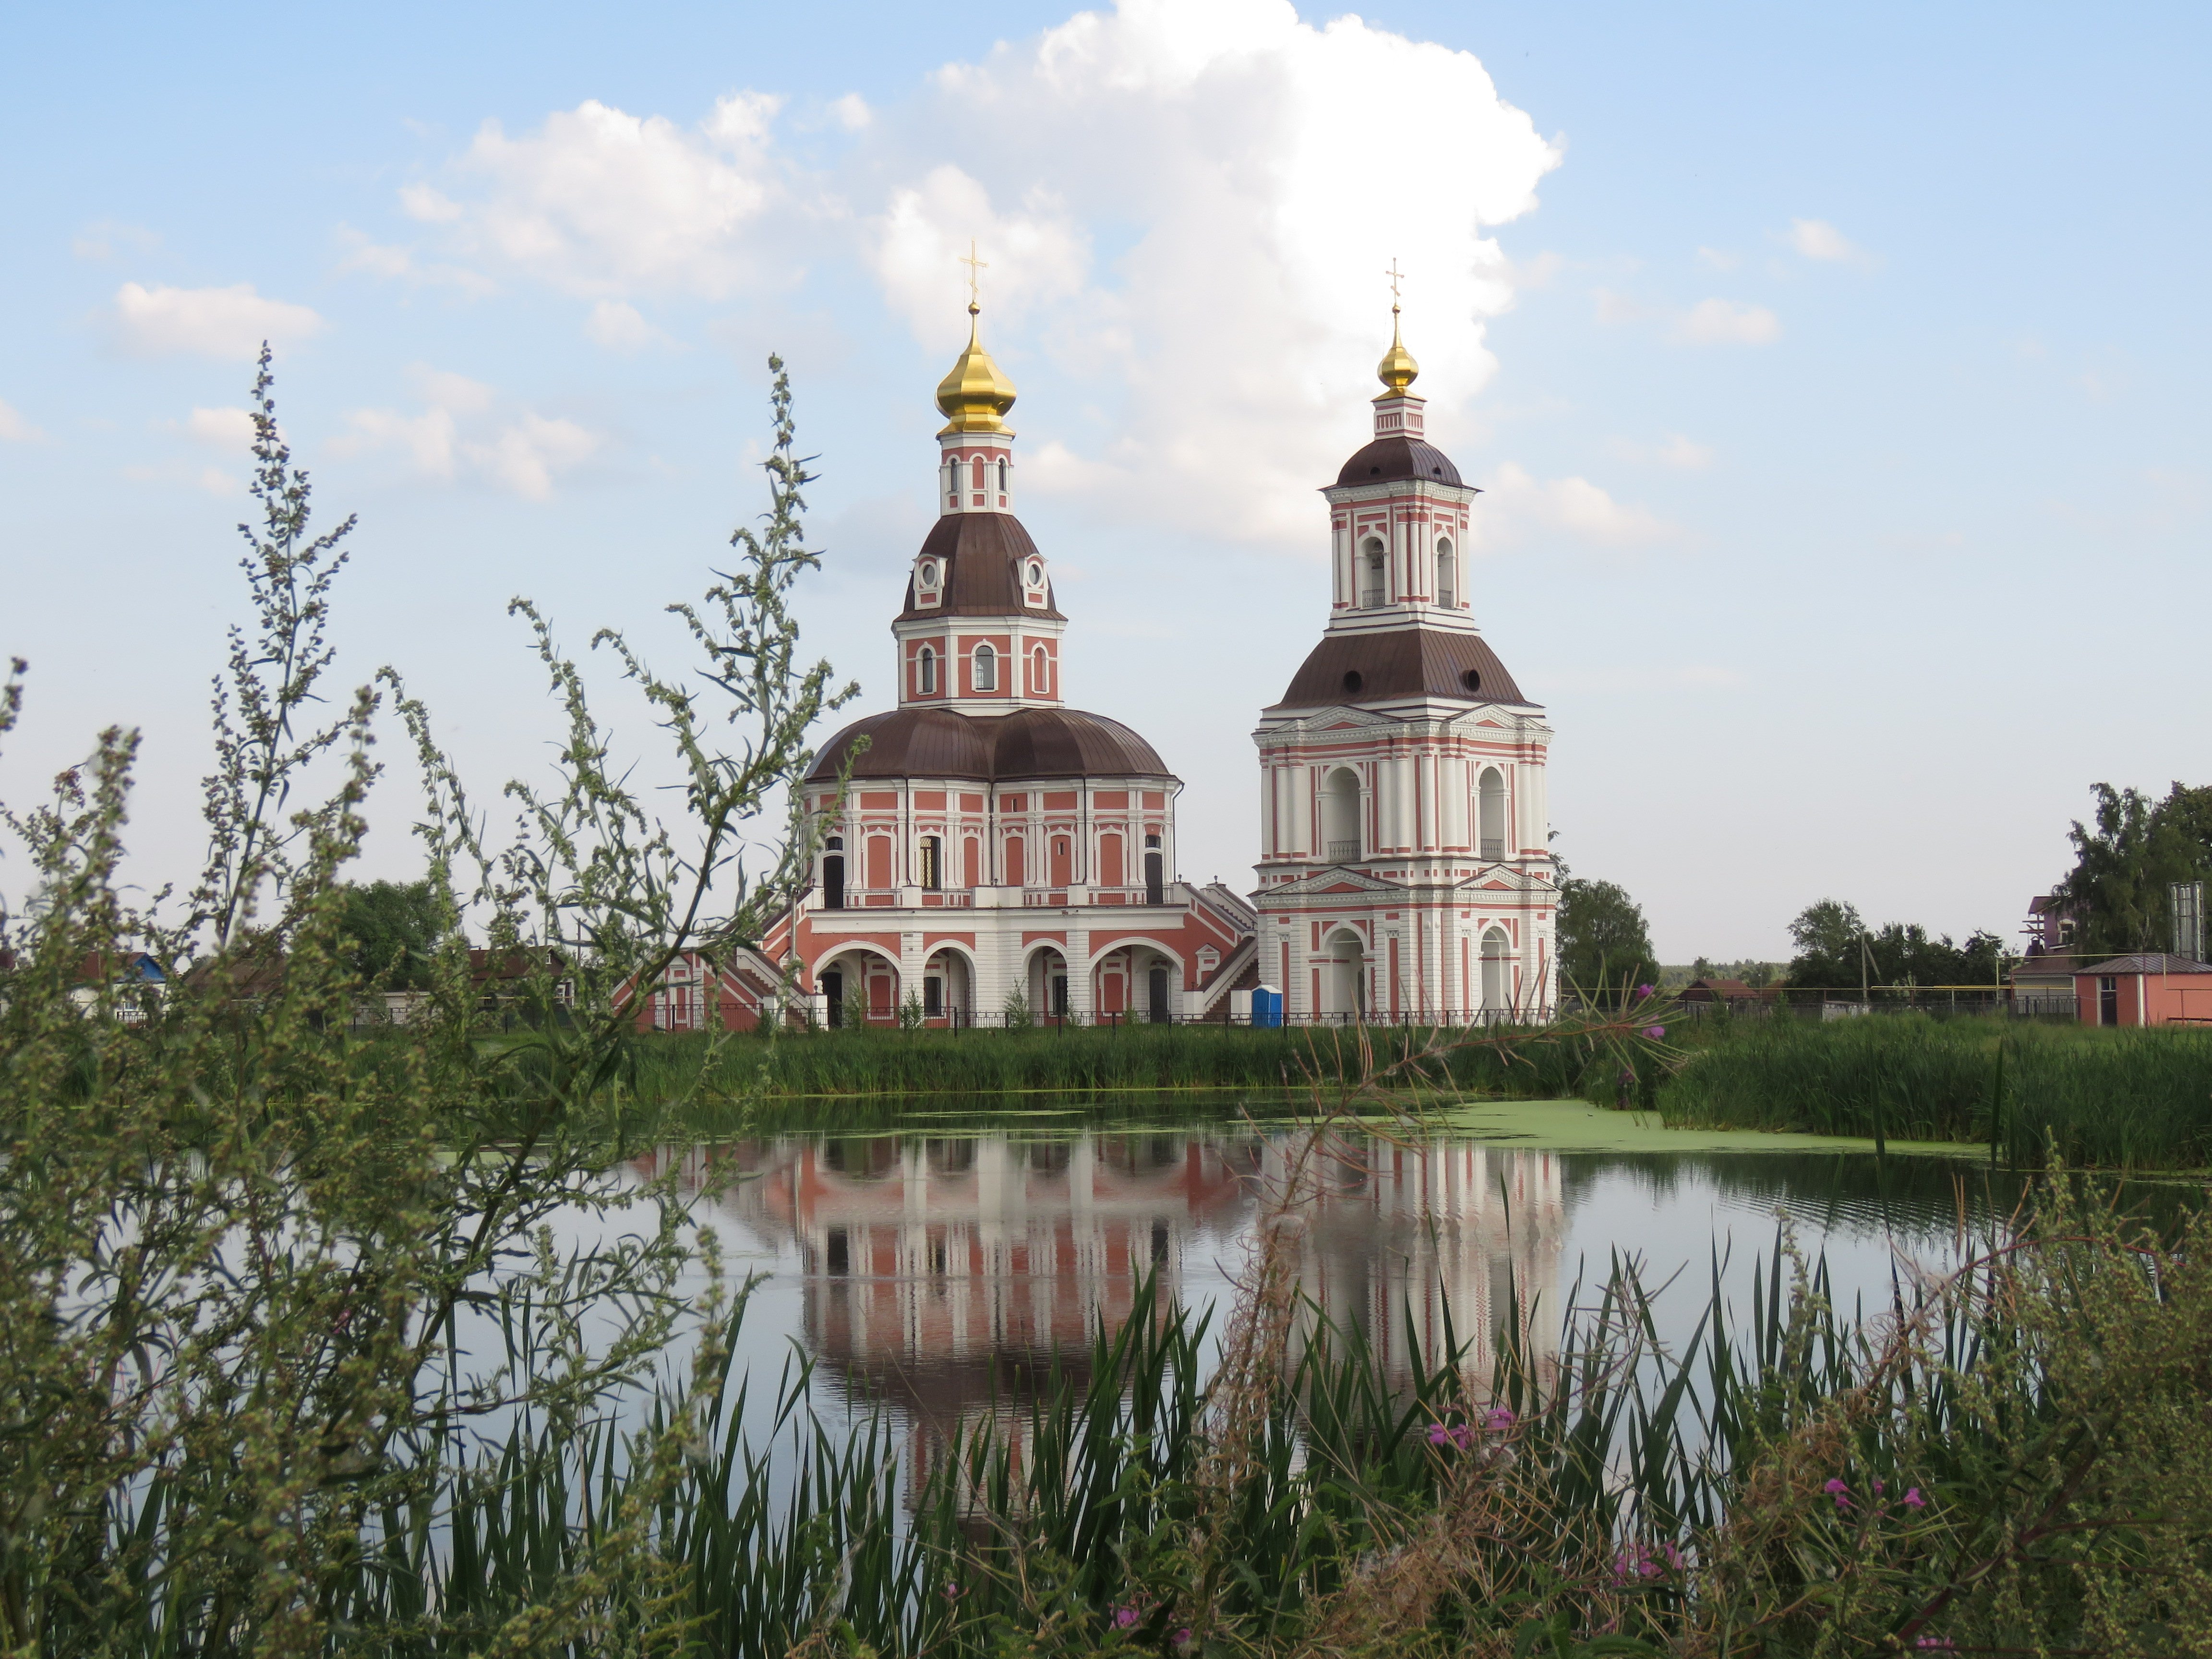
[{"x": 2146, "y": 989}]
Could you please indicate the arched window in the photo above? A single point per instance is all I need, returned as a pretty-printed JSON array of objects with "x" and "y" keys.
[
  {"x": 1040, "y": 674},
  {"x": 925, "y": 673},
  {"x": 1446, "y": 574},
  {"x": 1339, "y": 817},
  {"x": 932, "y": 863},
  {"x": 1002, "y": 475},
  {"x": 979, "y": 472},
  {"x": 986, "y": 669},
  {"x": 1490, "y": 800},
  {"x": 833, "y": 873},
  {"x": 1371, "y": 584}
]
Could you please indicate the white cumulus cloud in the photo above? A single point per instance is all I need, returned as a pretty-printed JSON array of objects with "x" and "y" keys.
[
  {"x": 215, "y": 322},
  {"x": 1816, "y": 239},
  {"x": 230, "y": 429},
  {"x": 13, "y": 429},
  {"x": 1256, "y": 200},
  {"x": 619, "y": 326},
  {"x": 1516, "y": 506},
  {"x": 451, "y": 437},
  {"x": 1728, "y": 322},
  {"x": 599, "y": 201}
]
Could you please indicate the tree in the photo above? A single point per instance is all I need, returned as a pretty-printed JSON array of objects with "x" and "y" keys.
[
  {"x": 392, "y": 928},
  {"x": 1836, "y": 949},
  {"x": 1603, "y": 941},
  {"x": 2116, "y": 892}
]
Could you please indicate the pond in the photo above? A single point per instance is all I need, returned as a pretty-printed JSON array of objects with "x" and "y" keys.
[{"x": 932, "y": 1267}]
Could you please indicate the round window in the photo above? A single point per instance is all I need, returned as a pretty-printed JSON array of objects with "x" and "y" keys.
[
  {"x": 1352, "y": 681},
  {"x": 1037, "y": 575},
  {"x": 929, "y": 573},
  {"x": 1472, "y": 680}
]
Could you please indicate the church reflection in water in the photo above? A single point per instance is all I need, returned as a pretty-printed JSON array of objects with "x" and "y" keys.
[{"x": 946, "y": 1276}]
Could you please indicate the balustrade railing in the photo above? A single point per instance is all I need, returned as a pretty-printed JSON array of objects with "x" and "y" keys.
[{"x": 1344, "y": 852}]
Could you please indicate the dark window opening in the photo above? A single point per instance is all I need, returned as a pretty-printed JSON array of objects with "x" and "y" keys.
[
  {"x": 2108, "y": 1001},
  {"x": 1156, "y": 884},
  {"x": 1157, "y": 988},
  {"x": 1472, "y": 679},
  {"x": 1160, "y": 1241},
  {"x": 1352, "y": 680},
  {"x": 1060, "y": 996},
  {"x": 932, "y": 863},
  {"x": 833, "y": 993},
  {"x": 833, "y": 882},
  {"x": 840, "y": 1251},
  {"x": 933, "y": 997}
]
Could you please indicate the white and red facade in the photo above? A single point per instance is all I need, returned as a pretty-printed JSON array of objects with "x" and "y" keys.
[
  {"x": 991, "y": 839},
  {"x": 1405, "y": 869}
]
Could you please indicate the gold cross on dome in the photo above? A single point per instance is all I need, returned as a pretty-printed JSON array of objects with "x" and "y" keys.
[
  {"x": 976, "y": 268},
  {"x": 1395, "y": 276}
]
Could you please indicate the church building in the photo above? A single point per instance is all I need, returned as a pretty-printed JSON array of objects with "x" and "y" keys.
[
  {"x": 1405, "y": 869},
  {"x": 994, "y": 845}
]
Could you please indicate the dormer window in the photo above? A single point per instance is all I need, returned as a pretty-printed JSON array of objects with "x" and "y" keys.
[
  {"x": 1036, "y": 574},
  {"x": 986, "y": 669}
]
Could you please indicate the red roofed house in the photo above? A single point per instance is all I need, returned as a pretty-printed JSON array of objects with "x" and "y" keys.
[{"x": 2145, "y": 990}]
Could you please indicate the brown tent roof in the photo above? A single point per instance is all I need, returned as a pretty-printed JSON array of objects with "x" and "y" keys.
[
  {"x": 1387, "y": 459},
  {"x": 1401, "y": 662},
  {"x": 1028, "y": 743},
  {"x": 982, "y": 555}
]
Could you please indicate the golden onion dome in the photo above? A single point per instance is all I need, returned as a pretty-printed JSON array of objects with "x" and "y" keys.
[
  {"x": 1397, "y": 370},
  {"x": 975, "y": 394}
]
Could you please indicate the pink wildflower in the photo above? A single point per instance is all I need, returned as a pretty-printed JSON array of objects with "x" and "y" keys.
[
  {"x": 1645, "y": 990},
  {"x": 1840, "y": 1492},
  {"x": 1125, "y": 1617},
  {"x": 1182, "y": 1636},
  {"x": 1439, "y": 1434},
  {"x": 1497, "y": 1419},
  {"x": 1655, "y": 1032},
  {"x": 1942, "y": 1643},
  {"x": 1913, "y": 1500}
]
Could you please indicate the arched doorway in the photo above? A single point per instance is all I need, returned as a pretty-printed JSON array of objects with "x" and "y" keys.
[
  {"x": 858, "y": 987},
  {"x": 1339, "y": 817},
  {"x": 1497, "y": 975},
  {"x": 1047, "y": 984},
  {"x": 948, "y": 989},
  {"x": 1344, "y": 978}
]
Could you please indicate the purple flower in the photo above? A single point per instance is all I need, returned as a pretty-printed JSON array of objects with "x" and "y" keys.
[
  {"x": 1439, "y": 1434},
  {"x": 1124, "y": 1618},
  {"x": 1655, "y": 1032},
  {"x": 1182, "y": 1636},
  {"x": 1841, "y": 1493},
  {"x": 1497, "y": 1419},
  {"x": 1913, "y": 1500},
  {"x": 1940, "y": 1642},
  {"x": 1645, "y": 990}
]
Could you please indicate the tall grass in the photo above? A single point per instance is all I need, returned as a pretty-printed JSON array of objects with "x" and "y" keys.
[
  {"x": 1536, "y": 1063},
  {"x": 2119, "y": 1099}
]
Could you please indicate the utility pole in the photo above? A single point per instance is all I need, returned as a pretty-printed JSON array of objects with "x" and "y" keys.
[{"x": 1866, "y": 974}]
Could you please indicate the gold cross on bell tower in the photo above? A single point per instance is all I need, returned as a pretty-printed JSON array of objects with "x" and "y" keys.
[
  {"x": 1396, "y": 276},
  {"x": 975, "y": 269}
]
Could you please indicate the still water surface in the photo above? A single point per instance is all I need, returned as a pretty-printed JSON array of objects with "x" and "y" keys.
[{"x": 931, "y": 1270}]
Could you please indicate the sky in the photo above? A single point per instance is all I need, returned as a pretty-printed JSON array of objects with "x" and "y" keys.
[{"x": 1833, "y": 376}]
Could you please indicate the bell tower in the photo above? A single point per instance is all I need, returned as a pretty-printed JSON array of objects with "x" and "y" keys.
[{"x": 1405, "y": 868}]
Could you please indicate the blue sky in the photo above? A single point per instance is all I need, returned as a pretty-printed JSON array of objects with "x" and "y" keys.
[{"x": 1835, "y": 378}]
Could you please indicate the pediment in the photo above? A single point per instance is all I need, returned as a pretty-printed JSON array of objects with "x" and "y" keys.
[
  {"x": 1496, "y": 880},
  {"x": 1325, "y": 883}
]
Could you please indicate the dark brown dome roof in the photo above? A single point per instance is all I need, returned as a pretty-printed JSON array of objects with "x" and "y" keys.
[
  {"x": 1387, "y": 459},
  {"x": 982, "y": 555},
  {"x": 1028, "y": 743},
  {"x": 1400, "y": 662}
]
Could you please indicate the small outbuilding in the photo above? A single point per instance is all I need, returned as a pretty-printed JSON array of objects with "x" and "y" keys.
[{"x": 2149, "y": 989}]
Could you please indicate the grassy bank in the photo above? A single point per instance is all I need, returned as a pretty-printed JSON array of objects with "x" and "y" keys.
[
  {"x": 1535, "y": 1065},
  {"x": 2118, "y": 1099}
]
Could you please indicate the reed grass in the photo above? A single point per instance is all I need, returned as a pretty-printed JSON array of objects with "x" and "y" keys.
[
  {"x": 2115, "y": 1099},
  {"x": 1534, "y": 1063}
]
